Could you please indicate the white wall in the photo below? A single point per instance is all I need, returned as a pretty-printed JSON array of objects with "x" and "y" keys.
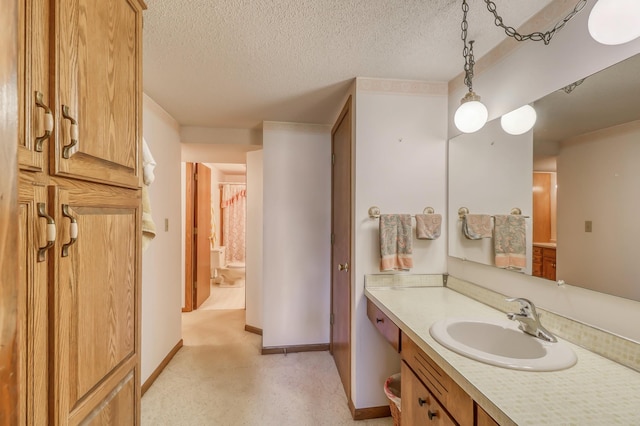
[
  {"x": 490, "y": 172},
  {"x": 400, "y": 166},
  {"x": 297, "y": 226},
  {"x": 254, "y": 240},
  {"x": 161, "y": 309},
  {"x": 599, "y": 180},
  {"x": 525, "y": 75}
]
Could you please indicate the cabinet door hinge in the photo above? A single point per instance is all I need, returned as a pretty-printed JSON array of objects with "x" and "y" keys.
[
  {"x": 195, "y": 231},
  {"x": 332, "y": 319},
  {"x": 333, "y": 238},
  {"x": 333, "y": 159},
  {"x": 195, "y": 177}
]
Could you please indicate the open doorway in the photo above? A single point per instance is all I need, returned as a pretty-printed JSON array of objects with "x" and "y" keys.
[{"x": 225, "y": 235}]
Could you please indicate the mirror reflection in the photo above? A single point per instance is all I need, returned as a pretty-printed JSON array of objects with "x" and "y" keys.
[{"x": 579, "y": 183}]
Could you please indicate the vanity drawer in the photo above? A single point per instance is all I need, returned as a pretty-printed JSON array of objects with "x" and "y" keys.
[
  {"x": 454, "y": 399},
  {"x": 381, "y": 321},
  {"x": 419, "y": 406}
]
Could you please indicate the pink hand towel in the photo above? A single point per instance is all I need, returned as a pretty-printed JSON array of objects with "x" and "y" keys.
[
  {"x": 476, "y": 226},
  {"x": 509, "y": 241},
  {"x": 428, "y": 226},
  {"x": 395, "y": 242}
]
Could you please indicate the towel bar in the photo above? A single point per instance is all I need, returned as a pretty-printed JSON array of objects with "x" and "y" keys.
[
  {"x": 462, "y": 211},
  {"x": 374, "y": 212}
]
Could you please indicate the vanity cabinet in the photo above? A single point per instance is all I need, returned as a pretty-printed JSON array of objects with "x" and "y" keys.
[
  {"x": 384, "y": 325},
  {"x": 544, "y": 262},
  {"x": 429, "y": 395},
  {"x": 419, "y": 406},
  {"x": 79, "y": 204},
  {"x": 452, "y": 397}
]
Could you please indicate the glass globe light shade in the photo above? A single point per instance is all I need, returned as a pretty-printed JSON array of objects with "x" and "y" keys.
[
  {"x": 471, "y": 115},
  {"x": 615, "y": 21},
  {"x": 519, "y": 121}
]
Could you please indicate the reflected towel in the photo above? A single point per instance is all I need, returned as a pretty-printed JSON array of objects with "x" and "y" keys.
[
  {"x": 395, "y": 242},
  {"x": 428, "y": 226},
  {"x": 148, "y": 226},
  {"x": 476, "y": 226},
  {"x": 509, "y": 238}
]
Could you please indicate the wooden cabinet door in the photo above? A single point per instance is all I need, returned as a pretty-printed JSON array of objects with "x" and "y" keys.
[
  {"x": 97, "y": 48},
  {"x": 32, "y": 303},
  {"x": 35, "y": 118},
  {"x": 96, "y": 305}
]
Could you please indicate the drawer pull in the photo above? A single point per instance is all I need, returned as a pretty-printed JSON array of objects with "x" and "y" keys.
[
  {"x": 48, "y": 122},
  {"x": 51, "y": 231},
  {"x": 72, "y": 148},
  {"x": 421, "y": 401},
  {"x": 73, "y": 230},
  {"x": 379, "y": 320},
  {"x": 432, "y": 415}
]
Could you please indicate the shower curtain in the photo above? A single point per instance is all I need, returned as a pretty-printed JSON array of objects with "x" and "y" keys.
[{"x": 233, "y": 204}]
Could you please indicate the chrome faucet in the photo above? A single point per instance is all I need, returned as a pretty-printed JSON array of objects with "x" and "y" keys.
[{"x": 530, "y": 320}]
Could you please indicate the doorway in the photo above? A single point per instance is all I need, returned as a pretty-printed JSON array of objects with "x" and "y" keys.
[{"x": 222, "y": 223}]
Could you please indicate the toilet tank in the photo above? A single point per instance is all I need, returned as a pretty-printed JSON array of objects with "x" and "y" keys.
[{"x": 218, "y": 257}]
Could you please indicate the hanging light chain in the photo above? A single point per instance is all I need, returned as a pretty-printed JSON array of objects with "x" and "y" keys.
[
  {"x": 467, "y": 51},
  {"x": 535, "y": 36}
]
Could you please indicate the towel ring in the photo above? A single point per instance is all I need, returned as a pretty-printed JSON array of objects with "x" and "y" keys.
[
  {"x": 428, "y": 210},
  {"x": 516, "y": 211},
  {"x": 462, "y": 211}
]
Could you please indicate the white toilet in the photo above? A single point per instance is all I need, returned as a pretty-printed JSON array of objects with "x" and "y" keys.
[{"x": 227, "y": 275}]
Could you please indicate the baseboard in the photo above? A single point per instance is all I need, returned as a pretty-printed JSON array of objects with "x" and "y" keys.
[
  {"x": 369, "y": 413},
  {"x": 252, "y": 329},
  {"x": 152, "y": 378},
  {"x": 295, "y": 348}
]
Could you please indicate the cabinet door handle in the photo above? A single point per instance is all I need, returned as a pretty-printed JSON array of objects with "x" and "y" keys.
[
  {"x": 421, "y": 401},
  {"x": 432, "y": 415},
  {"x": 379, "y": 320},
  {"x": 73, "y": 230},
  {"x": 72, "y": 148},
  {"x": 48, "y": 122},
  {"x": 51, "y": 231}
]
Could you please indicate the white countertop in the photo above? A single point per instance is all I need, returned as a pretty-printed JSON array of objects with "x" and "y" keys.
[{"x": 596, "y": 391}]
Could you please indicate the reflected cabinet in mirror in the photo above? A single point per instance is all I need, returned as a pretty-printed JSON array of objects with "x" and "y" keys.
[{"x": 576, "y": 176}]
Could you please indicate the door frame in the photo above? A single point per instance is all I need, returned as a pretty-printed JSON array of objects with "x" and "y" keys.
[{"x": 189, "y": 249}]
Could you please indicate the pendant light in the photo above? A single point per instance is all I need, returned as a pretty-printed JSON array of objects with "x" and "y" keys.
[
  {"x": 471, "y": 115},
  {"x": 519, "y": 121},
  {"x": 615, "y": 21}
]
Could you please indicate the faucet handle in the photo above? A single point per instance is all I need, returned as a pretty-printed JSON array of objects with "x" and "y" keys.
[{"x": 526, "y": 305}]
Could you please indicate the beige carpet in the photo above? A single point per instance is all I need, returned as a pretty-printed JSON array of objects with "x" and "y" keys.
[
  {"x": 220, "y": 378},
  {"x": 223, "y": 298}
]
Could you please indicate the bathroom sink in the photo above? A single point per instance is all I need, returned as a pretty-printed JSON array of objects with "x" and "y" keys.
[{"x": 500, "y": 342}]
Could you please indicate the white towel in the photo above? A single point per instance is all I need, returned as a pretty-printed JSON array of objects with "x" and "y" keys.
[{"x": 148, "y": 164}]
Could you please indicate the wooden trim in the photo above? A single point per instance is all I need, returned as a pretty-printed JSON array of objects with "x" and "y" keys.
[
  {"x": 252, "y": 329},
  {"x": 8, "y": 214},
  {"x": 189, "y": 260},
  {"x": 152, "y": 378},
  {"x": 369, "y": 412},
  {"x": 295, "y": 348}
]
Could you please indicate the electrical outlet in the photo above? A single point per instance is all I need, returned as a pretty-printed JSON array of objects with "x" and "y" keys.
[
  {"x": 166, "y": 225},
  {"x": 588, "y": 226}
]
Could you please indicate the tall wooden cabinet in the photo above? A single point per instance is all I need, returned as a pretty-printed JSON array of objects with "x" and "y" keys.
[{"x": 80, "y": 109}]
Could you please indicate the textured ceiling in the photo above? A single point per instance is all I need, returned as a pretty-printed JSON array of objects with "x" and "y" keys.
[{"x": 236, "y": 63}]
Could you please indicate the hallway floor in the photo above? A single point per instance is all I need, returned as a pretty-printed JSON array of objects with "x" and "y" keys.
[{"x": 220, "y": 378}]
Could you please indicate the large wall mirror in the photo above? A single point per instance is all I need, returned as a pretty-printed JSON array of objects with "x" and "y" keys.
[{"x": 576, "y": 176}]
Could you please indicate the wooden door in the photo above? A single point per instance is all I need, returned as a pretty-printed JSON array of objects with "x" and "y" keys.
[
  {"x": 35, "y": 119},
  {"x": 98, "y": 99},
  {"x": 341, "y": 264},
  {"x": 541, "y": 207},
  {"x": 33, "y": 256},
  {"x": 202, "y": 241},
  {"x": 8, "y": 214},
  {"x": 96, "y": 305}
]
